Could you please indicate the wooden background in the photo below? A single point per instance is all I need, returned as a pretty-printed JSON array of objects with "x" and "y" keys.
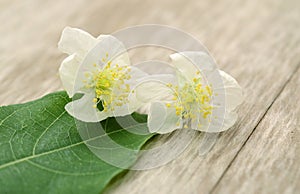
[{"x": 256, "y": 41}]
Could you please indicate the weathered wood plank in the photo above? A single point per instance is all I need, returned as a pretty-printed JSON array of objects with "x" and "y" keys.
[
  {"x": 270, "y": 160},
  {"x": 257, "y": 42}
]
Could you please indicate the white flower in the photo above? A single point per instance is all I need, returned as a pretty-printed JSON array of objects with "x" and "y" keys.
[
  {"x": 200, "y": 97},
  {"x": 99, "y": 69}
]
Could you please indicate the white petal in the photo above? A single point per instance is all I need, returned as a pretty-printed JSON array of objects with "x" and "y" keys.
[
  {"x": 198, "y": 122},
  {"x": 136, "y": 74},
  {"x": 188, "y": 63},
  {"x": 74, "y": 40},
  {"x": 163, "y": 78},
  {"x": 153, "y": 88},
  {"x": 77, "y": 43},
  {"x": 162, "y": 119},
  {"x": 217, "y": 123},
  {"x": 234, "y": 94},
  {"x": 108, "y": 48},
  {"x": 101, "y": 37},
  {"x": 123, "y": 110},
  {"x": 67, "y": 72},
  {"x": 226, "y": 90},
  {"x": 144, "y": 108},
  {"x": 122, "y": 59},
  {"x": 83, "y": 110}
]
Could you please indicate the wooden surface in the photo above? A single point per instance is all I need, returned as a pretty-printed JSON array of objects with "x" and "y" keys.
[{"x": 258, "y": 42}]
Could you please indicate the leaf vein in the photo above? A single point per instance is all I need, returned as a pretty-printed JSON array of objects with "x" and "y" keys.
[{"x": 39, "y": 138}]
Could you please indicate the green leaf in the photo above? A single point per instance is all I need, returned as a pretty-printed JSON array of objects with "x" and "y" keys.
[{"x": 41, "y": 150}]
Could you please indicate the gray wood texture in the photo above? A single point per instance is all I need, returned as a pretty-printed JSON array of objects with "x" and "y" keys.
[{"x": 257, "y": 42}]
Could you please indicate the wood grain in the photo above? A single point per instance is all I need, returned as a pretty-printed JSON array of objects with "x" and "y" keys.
[
  {"x": 258, "y": 42},
  {"x": 269, "y": 161}
]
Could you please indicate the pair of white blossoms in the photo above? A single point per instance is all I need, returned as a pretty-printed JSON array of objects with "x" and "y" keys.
[{"x": 198, "y": 96}]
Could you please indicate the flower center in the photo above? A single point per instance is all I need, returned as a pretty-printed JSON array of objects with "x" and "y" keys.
[
  {"x": 109, "y": 86},
  {"x": 192, "y": 99}
]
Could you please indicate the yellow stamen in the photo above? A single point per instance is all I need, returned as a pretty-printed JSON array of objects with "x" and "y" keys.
[
  {"x": 169, "y": 85},
  {"x": 104, "y": 81},
  {"x": 192, "y": 99}
]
